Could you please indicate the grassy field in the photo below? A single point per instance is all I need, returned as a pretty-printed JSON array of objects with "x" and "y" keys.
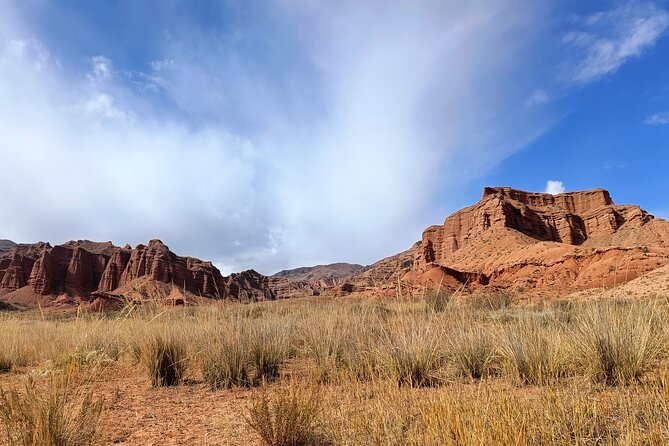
[{"x": 439, "y": 370}]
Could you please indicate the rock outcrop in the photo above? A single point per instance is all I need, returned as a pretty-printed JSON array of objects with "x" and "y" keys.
[
  {"x": 322, "y": 276},
  {"x": 513, "y": 238},
  {"x": 6, "y": 245},
  {"x": 574, "y": 218},
  {"x": 84, "y": 268}
]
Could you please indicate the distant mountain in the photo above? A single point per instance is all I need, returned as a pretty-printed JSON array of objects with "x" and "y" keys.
[
  {"x": 327, "y": 275},
  {"x": 6, "y": 245}
]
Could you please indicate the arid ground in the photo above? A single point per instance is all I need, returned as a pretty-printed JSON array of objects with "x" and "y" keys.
[{"x": 434, "y": 369}]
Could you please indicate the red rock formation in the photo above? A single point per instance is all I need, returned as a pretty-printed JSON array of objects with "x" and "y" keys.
[
  {"x": 322, "y": 275},
  {"x": 111, "y": 277},
  {"x": 287, "y": 288},
  {"x": 313, "y": 280},
  {"x": 572, "y": 218},
  {"x": 83, "y": 268},
  {"x": 248, "y": 286},
  {"x": 573, "y": 240},
  {"x": 159, "y": 263}
]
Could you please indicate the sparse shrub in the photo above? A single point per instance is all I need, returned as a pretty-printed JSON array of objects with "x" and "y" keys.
[
  {"x": 50, "y": 415},
  {"x": 617, "y": 342},
  {"x": 471, "y": 351},
  {"x": 164, "y": 358},
  {"x": 288, "y": 419},
  {"x": 253, "y": 311},
  {"x": 81, "y": 358},
  {"x": 226, "y": 362},
  {"x": 438, "y": 300}
]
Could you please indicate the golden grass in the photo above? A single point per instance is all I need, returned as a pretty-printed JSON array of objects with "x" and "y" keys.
[
  {"x": 289, "y": 418},
  {"x": 49, "y": 413},
  {"x": 165, "y": 359},
  {"x": 482, "y": 371}
]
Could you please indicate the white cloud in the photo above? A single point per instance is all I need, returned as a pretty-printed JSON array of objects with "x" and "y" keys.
[
  {"x": 554, "y": 187},
  {"x": 162, "y": 64},
  {"x": 28, "y": 50},
  {"x": 101, "y": 68},
  {"x": 658, "y": 119},
  {"x": 538, "y": 97},
  {"x": 333, "y": 147},
  {"x": 608, "y": 39},
  {"x": 102, "y": 106}
]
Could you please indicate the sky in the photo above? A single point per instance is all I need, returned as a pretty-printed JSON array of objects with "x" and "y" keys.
[{"x": 273, "y": 134}]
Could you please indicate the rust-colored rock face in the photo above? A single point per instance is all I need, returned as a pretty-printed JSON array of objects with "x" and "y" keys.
[
  {"x": 83, "y": 268},
  {"x": 313, "y": 280},
  {"x": 512, "y": 238},
  {"x": 571, "y": 218}
]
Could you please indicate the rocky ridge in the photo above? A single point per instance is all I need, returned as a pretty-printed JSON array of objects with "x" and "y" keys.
[
  {"x": 81, "y": 268},
  {"x": 524, "y": 240},
  {"x": 6, "y": 245},
  {"x": 322, "y": 275}
]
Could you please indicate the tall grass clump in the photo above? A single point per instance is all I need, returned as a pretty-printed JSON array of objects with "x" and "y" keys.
[
  {"x": 6, "y": 364},
  {"x": 49, "y": 415},
  {"x": 533, "y": 351},
  {"x": 165, "y": 359},
  {"x": 414, "y": 354},
  {"x": 324, "y": 342},
  {"x": 490, "y": 302},
  {"x": 268, "y": 349},
  {"x": 438, "y": 300},
  {"x": 617, "y": 342},
  {"x": 471, "y": 351},
  {"x": 225, "y": 361},
  {"x": 288, "y": 419},
  {"x": 363, "y": 358}
]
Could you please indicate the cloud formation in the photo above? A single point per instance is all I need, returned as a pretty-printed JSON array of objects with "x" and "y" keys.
[
  {"x": 305, "y": 133},
  {"x": 607, "y": 39},
  {"x": 658, "y": 119},
  {"x": 554, "y": 187},
  {"x": 538, "y": 97}
]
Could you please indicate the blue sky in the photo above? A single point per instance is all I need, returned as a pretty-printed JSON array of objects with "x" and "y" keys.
[{"x": 281, "y": 133}]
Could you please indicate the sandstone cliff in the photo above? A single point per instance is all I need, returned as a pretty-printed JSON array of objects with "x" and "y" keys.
[
  {"x": 512, "y": 238},
  {"x": 82, "y": 268}
]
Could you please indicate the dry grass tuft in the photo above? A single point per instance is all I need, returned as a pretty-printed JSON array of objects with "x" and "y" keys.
[
  {"x": 268, "y": 350},
  {"x": 164, "y": 358},
  {"x": 618, "y": 342},
  {"x": 414, "y": 356},
  {"x": 438, "y": 300},
  {"x": 225, "y": 361},
  {"x": 290, "y": 418},
  {"x": 471, "y": 351},
  {"x": 49, "y": 415},
  {"x": 533, "y": 352},
  {"x": 490, "y": 302}
]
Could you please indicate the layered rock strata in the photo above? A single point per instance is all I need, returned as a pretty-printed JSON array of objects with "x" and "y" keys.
[{"x": 82, "y": 268}]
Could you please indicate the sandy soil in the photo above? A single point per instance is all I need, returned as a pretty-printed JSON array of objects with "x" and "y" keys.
[{"x": 190, "y": 414}]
